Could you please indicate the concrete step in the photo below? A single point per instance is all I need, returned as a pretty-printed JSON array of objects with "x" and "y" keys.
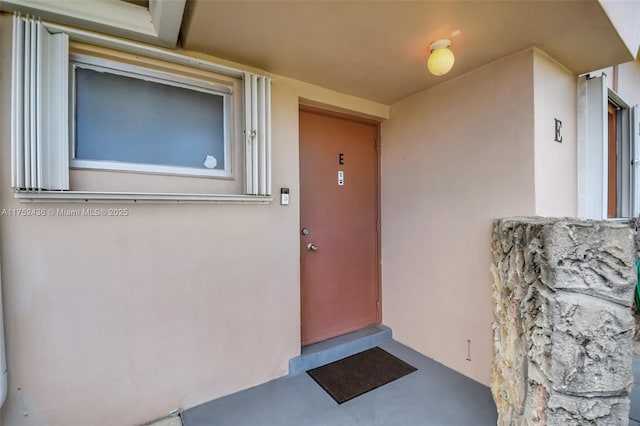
[{"x": 339, "y": 347}]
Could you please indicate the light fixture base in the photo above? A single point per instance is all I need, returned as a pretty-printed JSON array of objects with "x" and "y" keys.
[{"x": 439, "y": 44}]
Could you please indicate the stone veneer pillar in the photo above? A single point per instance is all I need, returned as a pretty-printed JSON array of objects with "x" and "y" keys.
[{"x": 562, "y": 326}]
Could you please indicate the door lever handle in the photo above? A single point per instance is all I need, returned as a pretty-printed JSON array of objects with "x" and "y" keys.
[{"x": 312, "y": 247}]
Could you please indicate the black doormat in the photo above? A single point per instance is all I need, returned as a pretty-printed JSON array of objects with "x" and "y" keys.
[{"x": 358, "y": 374}]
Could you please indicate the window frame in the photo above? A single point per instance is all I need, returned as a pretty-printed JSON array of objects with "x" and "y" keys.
[
  {"x": 594, "y": 97},
  {"x": 624, "y": 150},
  {"x": 143, "y": 73}
]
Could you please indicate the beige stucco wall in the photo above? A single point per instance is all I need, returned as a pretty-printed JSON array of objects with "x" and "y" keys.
[
  {"x": 628, "y": 82},
  {"x": 623, "y": 16},
  {"x": 454, "y": 158},
  {"x": 119, "y": 320},
  {"x": 556, "y": 175}
]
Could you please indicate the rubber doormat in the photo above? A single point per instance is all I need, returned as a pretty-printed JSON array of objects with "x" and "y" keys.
[{"x": 358, "y": 374}]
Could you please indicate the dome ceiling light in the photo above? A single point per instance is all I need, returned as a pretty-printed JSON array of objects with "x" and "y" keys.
[{"x": 441, "y": 59}]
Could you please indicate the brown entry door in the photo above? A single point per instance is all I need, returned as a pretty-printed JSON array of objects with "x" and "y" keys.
[{"x": 338, "y": 217}]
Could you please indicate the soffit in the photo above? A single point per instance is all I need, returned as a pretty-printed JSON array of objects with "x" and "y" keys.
[
  {"x": 155, "y": 21},
  {"x": 377, "y": 49}
]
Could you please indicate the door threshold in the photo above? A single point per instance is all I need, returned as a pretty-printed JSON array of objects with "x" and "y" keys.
[{"x": 330, "y": 350}]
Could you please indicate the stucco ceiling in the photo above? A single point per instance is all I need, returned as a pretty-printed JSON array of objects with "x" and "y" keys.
[{"x": 377, "y": 49}]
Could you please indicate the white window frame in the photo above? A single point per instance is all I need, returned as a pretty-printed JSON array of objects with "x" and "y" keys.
[
  {"x": 256, "y": 122},
  {"x": 624, "y": 148},
  {"x": 593, "y": 99},
  {"x": 118, "y": 68}
]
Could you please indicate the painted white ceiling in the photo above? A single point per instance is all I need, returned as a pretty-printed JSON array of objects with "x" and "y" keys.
[{"x": 377, "y": 49}]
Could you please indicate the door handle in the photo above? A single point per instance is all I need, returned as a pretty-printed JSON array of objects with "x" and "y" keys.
[{"x": 312, "y": 247}]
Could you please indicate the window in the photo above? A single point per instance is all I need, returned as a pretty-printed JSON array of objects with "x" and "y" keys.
[
  {"x": 608, "y": 154},
  {"x": 78, "y": 111},
  {"x": 131, "y": 118}
]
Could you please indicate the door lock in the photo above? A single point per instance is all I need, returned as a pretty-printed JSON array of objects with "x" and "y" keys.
[{"x": 304, "y": 231}]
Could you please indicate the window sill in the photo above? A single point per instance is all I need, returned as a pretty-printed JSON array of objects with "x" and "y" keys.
[{"x": 131, "y": 197}]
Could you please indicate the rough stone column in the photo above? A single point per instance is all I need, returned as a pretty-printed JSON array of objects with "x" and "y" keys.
[{"x": 563, "y": 327}]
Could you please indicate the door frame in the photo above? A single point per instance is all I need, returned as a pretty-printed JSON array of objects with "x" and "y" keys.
[{"x": 378, "y": 229}]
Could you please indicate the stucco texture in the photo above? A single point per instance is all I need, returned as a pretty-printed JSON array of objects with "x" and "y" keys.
[
  {"x": 454, "y": 158},
  {"x": 121, "y": 320}
]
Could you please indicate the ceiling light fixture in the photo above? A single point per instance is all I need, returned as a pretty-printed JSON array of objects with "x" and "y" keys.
[{"x": 441, "y": 58}]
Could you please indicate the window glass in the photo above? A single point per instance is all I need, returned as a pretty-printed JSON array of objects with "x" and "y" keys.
[{"x": 130, "y": 120}]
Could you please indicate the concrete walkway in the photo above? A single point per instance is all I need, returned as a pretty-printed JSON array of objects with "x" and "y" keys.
[{"x": 433, "y": 395}]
